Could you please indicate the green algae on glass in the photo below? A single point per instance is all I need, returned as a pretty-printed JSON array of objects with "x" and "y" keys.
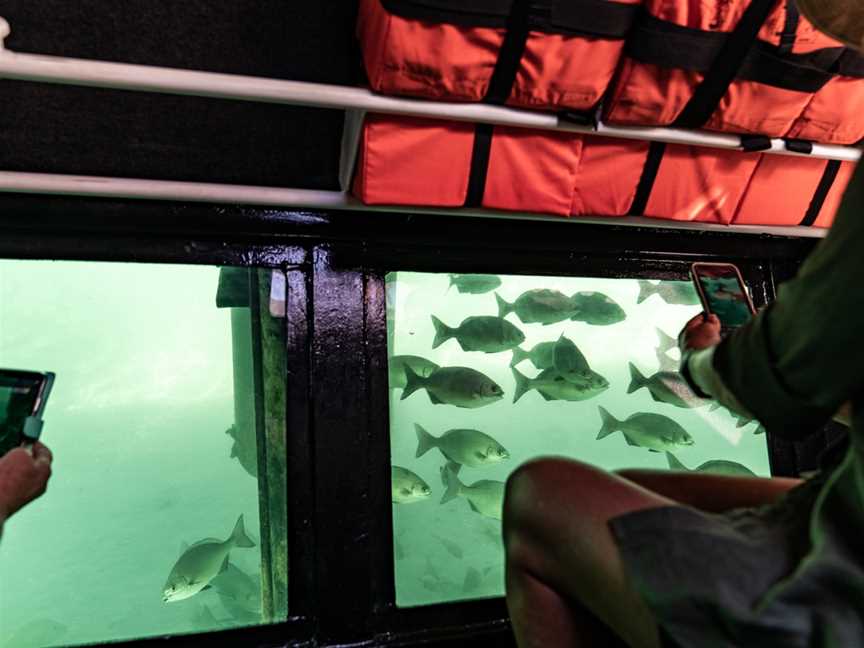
[{"x": 616, "y": 352}]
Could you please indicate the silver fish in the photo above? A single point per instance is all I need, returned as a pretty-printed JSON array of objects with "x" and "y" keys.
[
  {"x": 553, "y": 386},
  {"x": 485, "y": 497},
  {"x": 461, "y": 446},
  {"x": 569, "y": 361},
  {"x": 452, "y": 548},
  {"x": 479, "y": 333},
  {"x": 713, "y": 467},
  {"x": 656, "y": 432},
  {"x": 540, "y": 306},
  {"x": 474, "y": 284},
  {"x": 239, "y": 592},
  {"x": 200, "y": 563},
  {"x": 666, "y": 387},
  {"x": 407, "y": 487},
  {"x": 397, "y": 364},
  {"x": 672, "y": 292},
  {"x": 596, "y": 308},
  {"x": 459, "y": 386},
  {"x": 244, "y": 448}
]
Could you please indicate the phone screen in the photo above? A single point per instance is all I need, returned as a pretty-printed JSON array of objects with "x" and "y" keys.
[
  {"x": 724, "y": 293},
  {"x": 19, "y": 392}
]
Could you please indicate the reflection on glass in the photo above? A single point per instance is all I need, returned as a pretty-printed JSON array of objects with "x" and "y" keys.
[
  {"x": 507, "y": 368},
  {"x": 160, "y": 517}
]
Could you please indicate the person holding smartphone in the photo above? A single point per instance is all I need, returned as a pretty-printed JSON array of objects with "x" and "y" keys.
[{"x": 690, "y": 559}]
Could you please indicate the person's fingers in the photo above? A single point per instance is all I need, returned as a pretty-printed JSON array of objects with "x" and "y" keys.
[
  {"x": 42, "y": 453},
  {"x": 695, "y": 321}
]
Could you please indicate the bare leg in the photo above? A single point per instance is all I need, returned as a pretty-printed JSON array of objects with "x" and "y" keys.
[
  {"x": 712, "y": 493},
  {"x": 566, "y": 583}
]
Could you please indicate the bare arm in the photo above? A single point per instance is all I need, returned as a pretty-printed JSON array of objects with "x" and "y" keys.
[{"x": 711, "y": 493}]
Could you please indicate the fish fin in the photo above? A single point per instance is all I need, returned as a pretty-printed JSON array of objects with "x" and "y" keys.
[
  {"x": 206, "y": 587},
  {"x": 472, "y": 580},
  {"x": 442, "y": 332},
  {"x": 760, "y": 429},
  {"x": 224, "y": 566},
  {"x": 239, "y": 535},
  {"x": 452, "y": 282},
  {"x": 523, "y": 384},
  {"x": 413, "y": 382},
  {"x": 609, "y": 424},
  {"x": 546, "y": 396},
  {"x": 667, "y": 342},
  {"x": 656, "y": 398},
  {"x": 637, "y": 380},
  {"x": 473, "y": 508},
  {"x": 455, "y": 467},
  {"x": 503, "y": 306},
  {"x": 651, "y": 449},
  {"x": 518, "y": 356},
  {"x": 425, "y": 441},
  {"x": 646, "y": 289},
  {"x": 454, "y": 486},
  {"x": 674, "y": 464},
  {"x": 435, "y": 400},
  {"x": 234, "y": 450},
  {"x": 631, "y": 442}
]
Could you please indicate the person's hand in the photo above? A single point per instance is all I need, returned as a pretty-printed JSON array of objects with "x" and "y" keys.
[
  {"x": 24, "y": 474},
  {"x": 701, "y": 332}
]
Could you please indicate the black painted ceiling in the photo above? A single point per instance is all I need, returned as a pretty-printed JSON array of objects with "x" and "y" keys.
[{"x": 65, "y": 129}]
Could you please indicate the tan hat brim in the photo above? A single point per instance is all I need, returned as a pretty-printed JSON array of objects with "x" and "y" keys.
[{"x": 840, "y": 19}]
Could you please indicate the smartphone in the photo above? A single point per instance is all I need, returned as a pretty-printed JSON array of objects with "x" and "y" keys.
[
  {"x": 23, "y": 395},
  {"x": 722, "y": 292}
]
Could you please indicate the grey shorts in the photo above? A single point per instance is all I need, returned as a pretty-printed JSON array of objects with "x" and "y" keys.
[{"x": 703, "y": 574}]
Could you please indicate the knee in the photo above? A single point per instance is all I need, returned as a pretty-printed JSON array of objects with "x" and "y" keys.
[{"x": 534, "y": 490}]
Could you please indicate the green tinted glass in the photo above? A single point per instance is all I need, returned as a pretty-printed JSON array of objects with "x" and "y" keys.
[
  {"x": 487, "y": 372},
  {"x": 170, "y": 398}
]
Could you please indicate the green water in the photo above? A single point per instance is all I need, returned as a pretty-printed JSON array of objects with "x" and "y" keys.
[
  {"x": 137, "y": 423},
  {"x": 447, "y": 552}
]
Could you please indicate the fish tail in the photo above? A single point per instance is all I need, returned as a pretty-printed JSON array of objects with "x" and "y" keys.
[
  {"x": 239, "y": 535},
  {"x": 667, "y": 342},
  {"x": 637, "y": 380},
  {"x": 646, "y": 289},
  {"x": 610, "y": 423},
  {"x": 674, "y": 464},
  {"x": 425, "y": 441},
  {"x": 442, "y": 332},
  {"x": 413, "y": 382},
  {"x": 523, "y": 384},
  {"x": 503, "y": 306},
  {"x": 454, "y": 486},
  {"x": 519, "y": 355}
]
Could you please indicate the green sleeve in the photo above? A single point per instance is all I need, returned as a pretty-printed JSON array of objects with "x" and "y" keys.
[{"x": 802, "y": 357}]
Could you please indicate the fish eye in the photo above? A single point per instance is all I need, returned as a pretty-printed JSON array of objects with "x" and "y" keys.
[{"x": 425, "y": 490}]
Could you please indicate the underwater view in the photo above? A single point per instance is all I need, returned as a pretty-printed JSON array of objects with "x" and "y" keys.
[
  {"x": 489, "y": 371},
  {"x": 155, "y": 521}
]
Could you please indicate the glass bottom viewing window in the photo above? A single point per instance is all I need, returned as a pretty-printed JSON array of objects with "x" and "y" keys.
[{"x": 489, "y": 371}]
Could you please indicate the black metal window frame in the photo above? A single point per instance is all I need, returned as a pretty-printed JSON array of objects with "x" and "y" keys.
[{"x": 341, "y": 587}]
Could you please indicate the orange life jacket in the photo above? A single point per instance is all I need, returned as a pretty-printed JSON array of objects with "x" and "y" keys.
[
  {"x": 425, "y": 162},
  {"x": 529, "y": 53},
  {"x": 737, "y": 66}
]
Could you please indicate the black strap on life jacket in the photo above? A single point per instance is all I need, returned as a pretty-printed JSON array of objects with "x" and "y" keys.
[
  {"x": 723, "y": 71},
  {"x": 660, "y": 42},
  {"x": 595, "y": 18},
  {"x": 790, "y": 28},
  {"x": 649, "y": 176},
  {"x": 828, "y": 177}
]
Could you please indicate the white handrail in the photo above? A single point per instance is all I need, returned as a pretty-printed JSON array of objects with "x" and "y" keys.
[
  {"x": 104, "y": 187},
  {"x": 146, "y": 78}
]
